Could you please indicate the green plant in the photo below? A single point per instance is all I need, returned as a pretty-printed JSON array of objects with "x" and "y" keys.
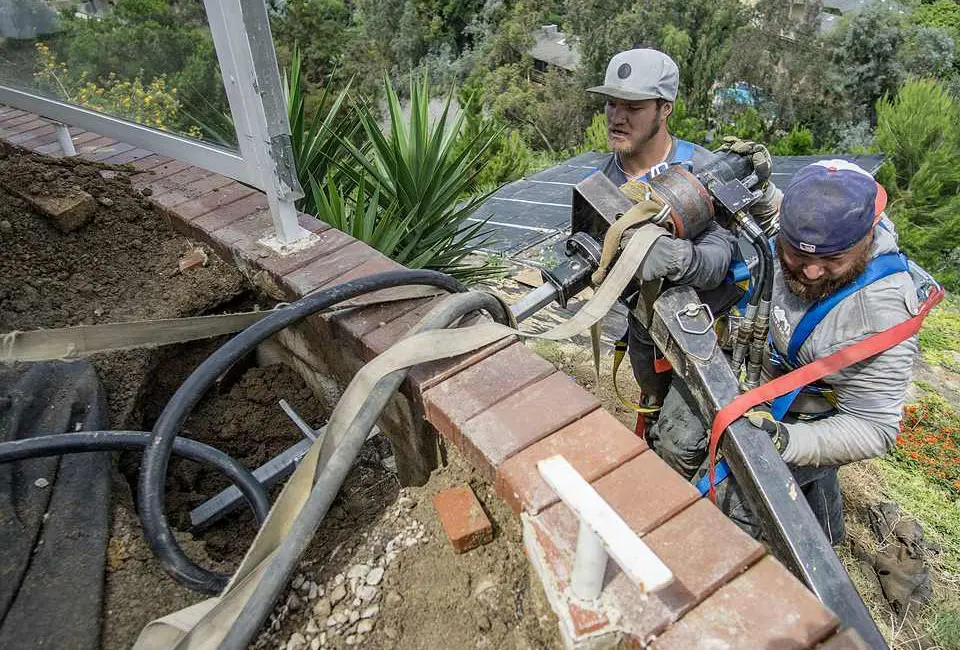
[
  {"x": 425, "y": 175},
  {"x": 595, "y": 137},
  {"x": 798, "y": 142},
  {"x": 317, "y": 141},
  {"x": 940, "y": 336}
]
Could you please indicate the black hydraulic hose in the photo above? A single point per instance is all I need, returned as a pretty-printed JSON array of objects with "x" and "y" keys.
[
  {"x": 92, "y": 441},
  {"x": 153, "y": 468},
  {"x": 327, "y": 484}
]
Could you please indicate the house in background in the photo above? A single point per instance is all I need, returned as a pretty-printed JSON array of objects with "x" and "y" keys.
[{"x": 552, "y": 48}]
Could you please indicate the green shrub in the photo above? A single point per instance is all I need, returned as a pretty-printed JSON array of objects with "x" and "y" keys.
[{"x": 798, "y": 142}]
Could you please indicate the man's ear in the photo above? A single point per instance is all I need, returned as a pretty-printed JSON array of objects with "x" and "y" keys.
[{"x": 667, "y": 110}]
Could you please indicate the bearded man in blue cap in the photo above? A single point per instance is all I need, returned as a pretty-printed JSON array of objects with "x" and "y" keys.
[{"x": 839, "y": 278}]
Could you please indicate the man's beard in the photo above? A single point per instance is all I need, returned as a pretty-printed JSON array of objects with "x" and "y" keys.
[
  {"x": 813, "y": 291},
  {"x": 630, "y": 148}
]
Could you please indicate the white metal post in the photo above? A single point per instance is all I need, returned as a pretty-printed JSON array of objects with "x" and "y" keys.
[
  {"x": 241, "y": 35},
  {"x": 589, "y": 564},
  {"x": 603, "y": 533},
  {"x": 65, "y": 140}
]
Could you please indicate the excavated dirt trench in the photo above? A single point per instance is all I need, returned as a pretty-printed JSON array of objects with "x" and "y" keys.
[{"x": 123, "y": 265}]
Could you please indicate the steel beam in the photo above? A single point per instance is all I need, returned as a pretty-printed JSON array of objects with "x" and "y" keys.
[{"x": 687, "y": 339}]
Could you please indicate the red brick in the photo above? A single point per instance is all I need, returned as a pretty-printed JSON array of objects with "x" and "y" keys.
[
  {"x": 358, "y": 322},
  {"x": 25, "y": 136},
  {"x": 9, "y": 113},
  {"x": 47, "y": 138},
  {"x": 10, "y": 125},
  {"x": 766, "y": 607},
  {"x": 92, "y": 146},
  {"x": 12, "y": 132},
  {"x": 595, "y": 445},
  {"x": 846, "y": 640},
  {"x": 646, "y": 492},
  {"x": 345, "y": 253},
  {"x": 216, "y": 219},
  {"x": 380, "y": 339},
  {"x": 217, "y": 199},
  {"x": 108, "y": 152},
  {"x": 180, "y": 179},
  {"x": 79, "y": 136},
  {"x": 128, "y": 157},
  {"x": 463, "y": 518},
  {"x": 427, "y": 375},
  {"x": 163, "y": 170},
  {"x": 451, "y": 404},
  {"x": 176, "y": 189},
  {"x": 149, "y": 162},
  {"x": 522, "y": 419}
]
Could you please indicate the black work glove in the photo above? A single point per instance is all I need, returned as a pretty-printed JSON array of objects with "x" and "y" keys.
[{"x": 778, "y": 431}]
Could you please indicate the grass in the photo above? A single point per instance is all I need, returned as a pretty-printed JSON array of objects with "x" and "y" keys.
[{"x": 940, "y": 336}]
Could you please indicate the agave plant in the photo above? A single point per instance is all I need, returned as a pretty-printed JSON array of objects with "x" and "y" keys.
[
  {"x": 422, "y": 178},
  {"x": 317, "y": 141}
]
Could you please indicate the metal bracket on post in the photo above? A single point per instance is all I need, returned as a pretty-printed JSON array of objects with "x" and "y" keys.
[
  {"x": 65, "y": 140},
  {"x": 603, "y": 533},
  {"x": 765, "y": 480},
  {"x": 241, "y": 34}
]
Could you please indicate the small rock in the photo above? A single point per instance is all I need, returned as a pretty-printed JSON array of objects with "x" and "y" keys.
[
  {"x": 297, "y": 642},
  {"x": 193, "y": 259},
  {"x": 406, "y": 503},
  {"x": 339, "y": 579},
  {"x": 353, "y": 616},
  {"x": 312, "y": 627},
  {"x": 313, "y": 591},
  {"x": 146, "y": 192},
  {"x": 323, "y": 638},
  {"x": 315, "y": 644},
  {"x": 322, "y": 608},
  {"x": 358, "y": 571},
  {"x": 366, "y": 593},
  {"x": 351, "y": 640},
  {"x": 370, "y": 612},
  {"x": 483, "y": 623},
  {"x": 364, "y": 626},
  {"x": 393, "y": 598},
  {"x": 390, "y": 633},
  {"x": 356, "y": 602},
  {"x": 41, "y": 483},
  {"x": 375, "y": 576},
  {"x": 339, "y": 593},
  {"x": 105, "y": 201},
  {"x": 332, "y": 621},
  {"x": 294, "y": 603},
  {"x": 5, "y": 226},
  {"x": 298, "y": 580}
]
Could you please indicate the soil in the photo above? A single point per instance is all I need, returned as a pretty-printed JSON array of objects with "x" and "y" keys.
[
  {"x": 123, "y": 266},
  {"x": 429, "y": 596}
]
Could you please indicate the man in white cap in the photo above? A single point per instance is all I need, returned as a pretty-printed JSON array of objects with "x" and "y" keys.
[
  {"x": 640, "y": 87},
  {"x": 839, "y": 278}
]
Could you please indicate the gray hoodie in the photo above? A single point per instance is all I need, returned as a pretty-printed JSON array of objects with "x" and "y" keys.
[{"x": 869, "y": 395}]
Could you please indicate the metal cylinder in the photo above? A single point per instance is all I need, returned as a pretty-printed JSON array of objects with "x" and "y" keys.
[
  {"x": 589, "y": 564},
  {"x": 691, "y": 206}
]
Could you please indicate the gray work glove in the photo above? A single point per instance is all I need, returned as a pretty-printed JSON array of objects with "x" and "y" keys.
[
  {"x": 759, "y": 155},
  {"x": 766, "y": 210},
  {"x": 661, "y": 262}
]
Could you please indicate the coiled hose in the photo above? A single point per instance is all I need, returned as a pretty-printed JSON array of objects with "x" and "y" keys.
[
  {"x": 163, "y": 441},
  {"x": 327, "y": 484},
  {"x": 152, "y": 482}
]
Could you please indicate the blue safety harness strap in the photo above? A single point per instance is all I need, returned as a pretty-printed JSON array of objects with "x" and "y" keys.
[
  {"x": 878, "y": 268},
  {"x": 721, "y": 474}
]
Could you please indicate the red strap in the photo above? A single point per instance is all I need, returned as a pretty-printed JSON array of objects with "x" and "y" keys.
[{"x": 812, "y": 372}]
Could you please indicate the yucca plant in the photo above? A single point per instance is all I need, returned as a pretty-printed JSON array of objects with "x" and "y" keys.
[
  {"x": 317, "y": 141},
  {"x": 422, "y": 176}
]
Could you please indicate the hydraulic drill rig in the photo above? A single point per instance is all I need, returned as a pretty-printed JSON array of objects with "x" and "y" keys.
[{"x": 683, "y": 327}]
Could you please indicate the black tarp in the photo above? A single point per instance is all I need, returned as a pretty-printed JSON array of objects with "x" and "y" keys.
[{"x": 54, "y": 512}]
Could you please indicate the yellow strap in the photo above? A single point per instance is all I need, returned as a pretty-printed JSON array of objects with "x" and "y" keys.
[
  {"x": 639, "y": 214},
  {"x": 618, "y": 355}
]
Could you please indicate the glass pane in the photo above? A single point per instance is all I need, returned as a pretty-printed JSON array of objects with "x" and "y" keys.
[{"x": 148, "y": 61}]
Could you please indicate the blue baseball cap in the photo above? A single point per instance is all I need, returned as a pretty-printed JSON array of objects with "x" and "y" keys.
[{"x": 829, "y": 207}]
